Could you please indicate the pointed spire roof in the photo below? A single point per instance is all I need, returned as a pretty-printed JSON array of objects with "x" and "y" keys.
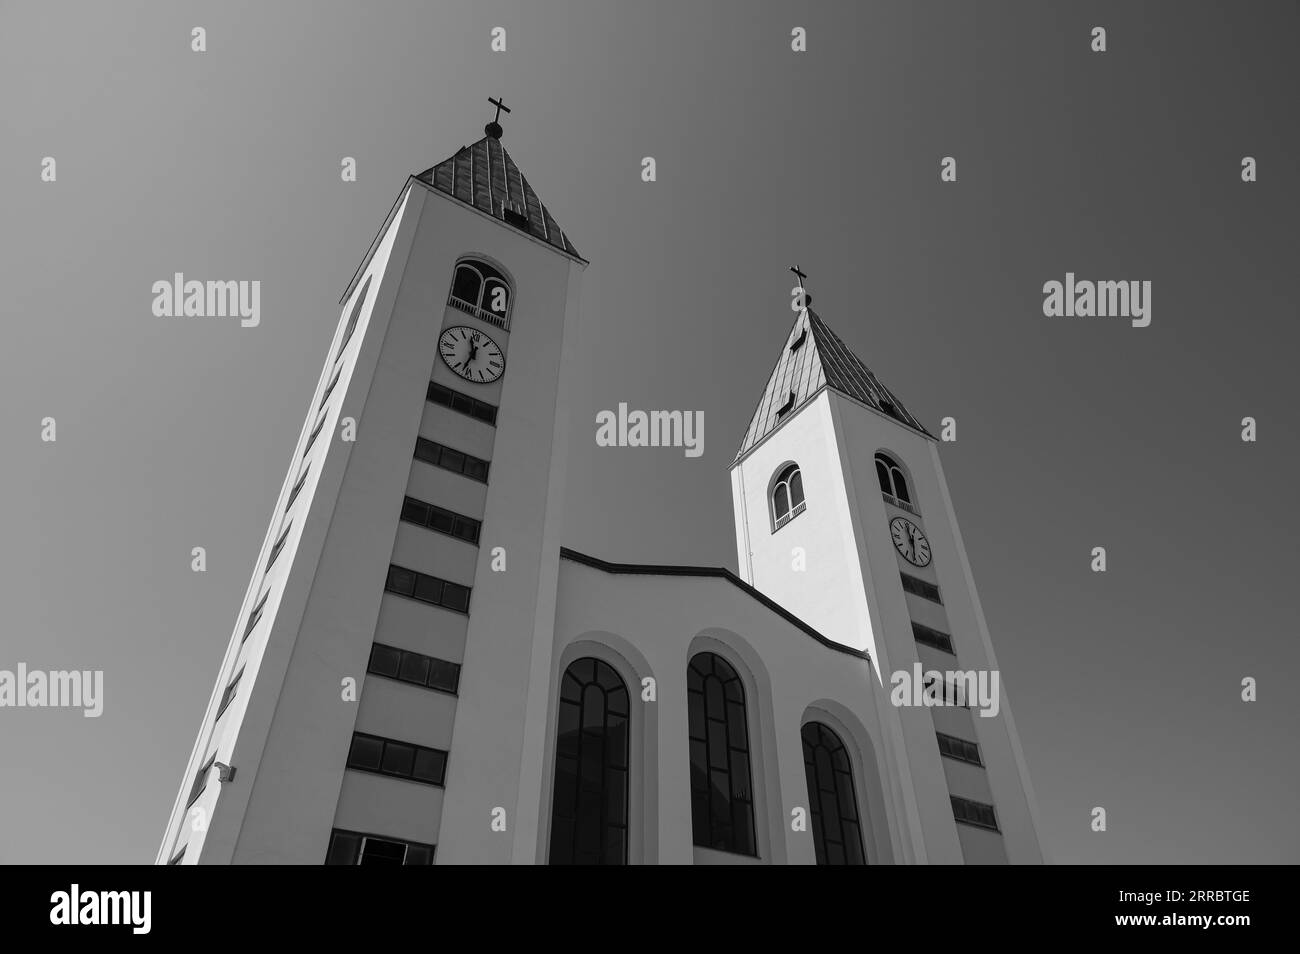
[
  {"x": 813, "y": 358},
  {"x": 483, "y": 175}
]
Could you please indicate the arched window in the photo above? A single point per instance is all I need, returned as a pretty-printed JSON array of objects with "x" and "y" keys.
[
  {"x": 482, "y": 291},
  {"x": 589, "y": 808},
  {"x": 787, "y": 496},
  {"x": 892, "y": 482},
  {"x": 722, "y": 800},
  {"x": 356, "y": 313},
  {"x": 837, "y": 832}
]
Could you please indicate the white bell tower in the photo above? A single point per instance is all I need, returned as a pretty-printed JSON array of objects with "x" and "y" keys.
[{"x": 843, "y": 517}]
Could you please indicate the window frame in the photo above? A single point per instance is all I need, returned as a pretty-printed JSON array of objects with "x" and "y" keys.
[
  {"x": 816, "y": 795},
  {"x": 892, "y": 467},
  {"x": 784, "y": 475},
  {"x": 700, "y": 717},
  {"x": 486, "y": 272},
  {"x": 406, "y": 776},
  {"x": 402, "y": 654},
  {"x": 572, "y": 762}
]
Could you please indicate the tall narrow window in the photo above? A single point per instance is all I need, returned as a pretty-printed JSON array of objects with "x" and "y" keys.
[
  {"x": 589, "y": 807},
  {"x": 356, "y": 313},
  {"x": 787, "y": 496},
  {"x": 837, "y": 833},
  {"x": 722, "y": 800}
]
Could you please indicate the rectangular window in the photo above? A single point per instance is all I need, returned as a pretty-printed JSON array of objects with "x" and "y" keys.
[
  {"x": 449, "y": 458},
  {"x": 330, "y": 389},
  {"x": 200, "y": 781},
  {"x": 416, "y": 763},
  {"x": 959, "y": 749},
  {"x": 279, "y": 545},
  {"x": 312, "y": 440},
  {"x": 437, "y": 518},
  {"x": 440, "y": 394},
  {"x": 355, "y": 848},
  {"x": 229, "y": 694},
  {"x": 428, "y": 589},
  {"x": 932, "y": 638},
  {"x": 415, "y": 668},
  {"x": 254, "y": 616},
  {"x": 920, "y": 588},
  {"x": 297, "y": 488},
  {"x": 950, "y": 692},
  {"x": 975, "y": 813}
]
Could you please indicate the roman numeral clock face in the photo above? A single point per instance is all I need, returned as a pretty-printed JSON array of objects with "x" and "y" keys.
[
  {"x": 471, "y": 354},
  {"x": 910, "y": 541}
]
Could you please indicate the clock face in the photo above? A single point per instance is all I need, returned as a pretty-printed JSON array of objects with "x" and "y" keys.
[
  {"x": 471, "y": 354},
  {"x": 910, "y": 541}
]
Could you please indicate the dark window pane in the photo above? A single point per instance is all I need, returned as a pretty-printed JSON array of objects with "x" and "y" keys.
[
  {"x": 419, "y": 855},
  {"x": 796, "y": 489},
  {"x": 428, "y": 588},
  {"x": 441, "y": 520},
  {"x": 466, "y": 284},
  {"x": 401, "y": 581},
  {"x": 781, "y": 502},
  {"x": 900, "y": 485},
  {"x": 385, "y": 660},
  {"x": 430, "y": 765},
  {"x": 837, "y": 838},
  {"x": 475, "y": 468},
  {"x": 365, "y": 753},
  {"x": 443, "y": 675},
  {"x": 456, "y": 597},
  {"x": 451, "y": 459},
  {"x": 399, "y": 758},
  {"x": 413, "y": 511},
  {"x": 343, "y": 848},
  {"x": 380, "y": 851},
  {"x": 415, "y": 668},
  {"x": 882, "y": 475},
  {"x": 590, "y": 774}
]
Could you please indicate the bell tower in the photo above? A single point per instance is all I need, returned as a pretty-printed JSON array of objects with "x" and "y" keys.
[
  {"x": 383, "y": 694},
  {"x": 843, "y": 517}
]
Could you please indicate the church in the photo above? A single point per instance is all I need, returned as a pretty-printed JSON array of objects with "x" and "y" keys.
[{"x": 421, "y": 672}]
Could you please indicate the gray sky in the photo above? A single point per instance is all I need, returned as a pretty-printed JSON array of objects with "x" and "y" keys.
[{"x": 1071, "y": 433}]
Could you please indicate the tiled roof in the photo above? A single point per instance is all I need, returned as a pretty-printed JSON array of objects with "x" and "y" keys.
[
  {"x": 483, "y": 175},
  {"x": 821, "y": 360}
]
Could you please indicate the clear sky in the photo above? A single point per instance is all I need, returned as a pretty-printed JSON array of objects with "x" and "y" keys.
[{"x": 1072, "y": 433}]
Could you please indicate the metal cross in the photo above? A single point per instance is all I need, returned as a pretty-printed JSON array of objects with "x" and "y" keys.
[
  {"x": 800, "y": 275},
  {"x": 500, "y": 106}
]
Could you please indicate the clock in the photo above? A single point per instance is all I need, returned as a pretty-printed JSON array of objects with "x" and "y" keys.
[
  {"x": 910, "y": 541},
  {"x": 471, "y": 354}
]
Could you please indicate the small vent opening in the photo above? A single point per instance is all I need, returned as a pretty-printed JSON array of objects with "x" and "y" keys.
[{"x": 785, "y": 408}]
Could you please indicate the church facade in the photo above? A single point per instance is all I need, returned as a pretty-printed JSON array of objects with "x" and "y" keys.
[{"x": 421, "y": 672}]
